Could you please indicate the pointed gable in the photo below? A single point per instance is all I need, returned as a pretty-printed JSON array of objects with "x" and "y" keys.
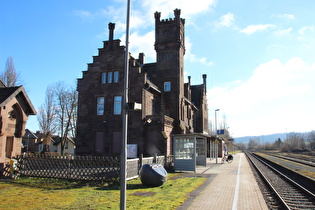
[{"x": 8, "y": 93}]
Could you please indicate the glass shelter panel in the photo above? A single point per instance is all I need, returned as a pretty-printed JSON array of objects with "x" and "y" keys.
[
  {"x": 184, "y": 148},
  {"x": 189, "y": 150},
  {"x": 201, "y": 147},
  {"x": 201, "y": 151}
]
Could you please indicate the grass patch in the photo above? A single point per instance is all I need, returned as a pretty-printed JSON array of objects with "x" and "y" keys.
[{"x": 41, "y": 193}]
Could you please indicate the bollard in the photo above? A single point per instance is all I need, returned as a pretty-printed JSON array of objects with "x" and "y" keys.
[{"x": 12, "y": 167}]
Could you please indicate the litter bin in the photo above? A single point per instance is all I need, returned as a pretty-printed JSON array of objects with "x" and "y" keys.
[{"x": 153, "y": 175}]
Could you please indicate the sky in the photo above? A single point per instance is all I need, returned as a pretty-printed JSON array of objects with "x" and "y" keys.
[{"x": 258, "y": 55}]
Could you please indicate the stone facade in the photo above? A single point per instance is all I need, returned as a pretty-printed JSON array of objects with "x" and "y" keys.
[
  {"x": 15, "y": 107},
  {"x": 169, "y": 106}
]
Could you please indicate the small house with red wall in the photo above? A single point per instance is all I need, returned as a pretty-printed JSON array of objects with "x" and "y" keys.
[{"x": 15, "y": 107}]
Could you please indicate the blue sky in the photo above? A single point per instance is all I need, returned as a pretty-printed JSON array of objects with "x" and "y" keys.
[{"x": 258, "y": 55}]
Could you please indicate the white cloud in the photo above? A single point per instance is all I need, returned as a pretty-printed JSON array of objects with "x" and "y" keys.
[
  {"x": 254, "y": 28},
  {"x": 142, "y": 21},
  {"x": 283, "y": 32},
  {"x": 142, "y": 44},
  {"x": 277, "y": 96},
  {"x": 287, "y": 16},
  {"x": 192, "y": 57},
  {"x": 226, "y": 20},
  {"x": 115, "y": 15},
  {"x": 84, "y": 15},
  {"x": 145, "y": 43},
  {"x": 188, "y": 7},
  {"x": 304, "y": 29}
]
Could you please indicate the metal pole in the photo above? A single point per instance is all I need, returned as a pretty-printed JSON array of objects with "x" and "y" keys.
[
  {"x": 216, "y": 134},
  {"x": 123, "y": 168}
]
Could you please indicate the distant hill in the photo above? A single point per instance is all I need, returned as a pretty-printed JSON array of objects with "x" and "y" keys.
[{"x": 271, "y": 138}]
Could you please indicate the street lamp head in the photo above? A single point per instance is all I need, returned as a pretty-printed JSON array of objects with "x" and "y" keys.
[{"x": 217, "y": 110}]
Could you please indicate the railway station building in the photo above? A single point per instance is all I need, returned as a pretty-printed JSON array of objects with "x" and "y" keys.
[{"x": 169, "y": 106}]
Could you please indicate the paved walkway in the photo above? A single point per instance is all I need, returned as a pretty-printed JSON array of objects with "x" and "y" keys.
[{"x": 231, "y": 186}]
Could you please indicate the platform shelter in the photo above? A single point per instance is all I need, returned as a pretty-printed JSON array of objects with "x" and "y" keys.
[{"x": 190, "y": 150}]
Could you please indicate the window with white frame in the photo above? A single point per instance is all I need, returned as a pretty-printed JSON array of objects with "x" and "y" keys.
[
  {"x": 167, "y": 86},
  {"x": 100, "y": 105},
  {"x": 117, "y": 105}
]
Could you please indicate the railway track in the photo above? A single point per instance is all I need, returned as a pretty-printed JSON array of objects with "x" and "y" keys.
[
  {"x": 297, "y": 160},
  {"x": 286, "y": 193}
]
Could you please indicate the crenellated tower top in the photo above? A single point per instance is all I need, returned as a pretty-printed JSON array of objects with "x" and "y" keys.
[{"x": 177, "y": 12}]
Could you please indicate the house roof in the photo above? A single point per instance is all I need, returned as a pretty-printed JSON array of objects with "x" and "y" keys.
[
  {"x": 5, "y": 93},
  {"x": 57, "y": 140},
  {"x": 18, "y": 92},
  {"x": 151, "y": 85},
  {"x": 30, "y": 134}
]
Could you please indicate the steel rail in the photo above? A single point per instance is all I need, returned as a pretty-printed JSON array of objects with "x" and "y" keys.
[
  {"x": 264, "y": 178},
  {"x": 304, "y": 162},
  {"x": 286, "y": 177},
  {"x": 310, "y": 197}
]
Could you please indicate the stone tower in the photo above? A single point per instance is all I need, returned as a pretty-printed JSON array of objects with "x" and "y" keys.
[{"x": 170, "y": 50}]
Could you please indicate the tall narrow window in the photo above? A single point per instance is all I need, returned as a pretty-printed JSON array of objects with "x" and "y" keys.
[
  {"x": 110, "y": 77},
  {"x": 116, "y": 76},
  {"x": 103, "y": 78},
  {"x": 167, "y": 86},
  {"x": 99, "y": 142},
  {"x": 100, "y": 105},
  {"x": 117, "y": 105}
]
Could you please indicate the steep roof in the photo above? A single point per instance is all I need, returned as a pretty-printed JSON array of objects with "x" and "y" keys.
[
  {"x": 18, "y": 92},
  {"x": 5, "y": 93},
  {"x": 30, "y": 134}
]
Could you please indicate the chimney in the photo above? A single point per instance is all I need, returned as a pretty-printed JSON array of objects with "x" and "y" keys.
[
  {"x": 141, "y": 58},
  {"x": 204, "y": 76},
  {"x": 111, "y": 27}
]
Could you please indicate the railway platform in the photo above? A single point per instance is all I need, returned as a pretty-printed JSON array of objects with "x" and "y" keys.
[{"x": 228, "y": 186}]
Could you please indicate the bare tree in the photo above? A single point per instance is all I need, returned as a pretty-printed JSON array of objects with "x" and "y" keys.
[
  {"x": 9, "y": 77},
  {"x": 310, "y": 137},
  {"x": 240, "y": 146},
  {"x": 47, "y": 118},
  {"x": 223, "y": 124},
  {"x": 66, "y": 98},
  {"x": 211, "y": 128},
  {"x": 253, "y": 143},
  {"x": 295, "y": 141}
]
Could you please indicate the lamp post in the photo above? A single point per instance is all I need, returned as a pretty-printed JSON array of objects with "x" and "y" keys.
[
  {"x": 123, "y": 159},
  {"x": 216, "y": 135}
]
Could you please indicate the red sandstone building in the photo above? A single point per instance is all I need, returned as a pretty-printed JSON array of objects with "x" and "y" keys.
[
  {"x": 169, "y": 106},
  {"x": 15, "y": 107}
]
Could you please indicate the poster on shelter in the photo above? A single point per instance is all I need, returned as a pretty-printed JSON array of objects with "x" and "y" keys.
[{"x": 132, "y": 150}]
